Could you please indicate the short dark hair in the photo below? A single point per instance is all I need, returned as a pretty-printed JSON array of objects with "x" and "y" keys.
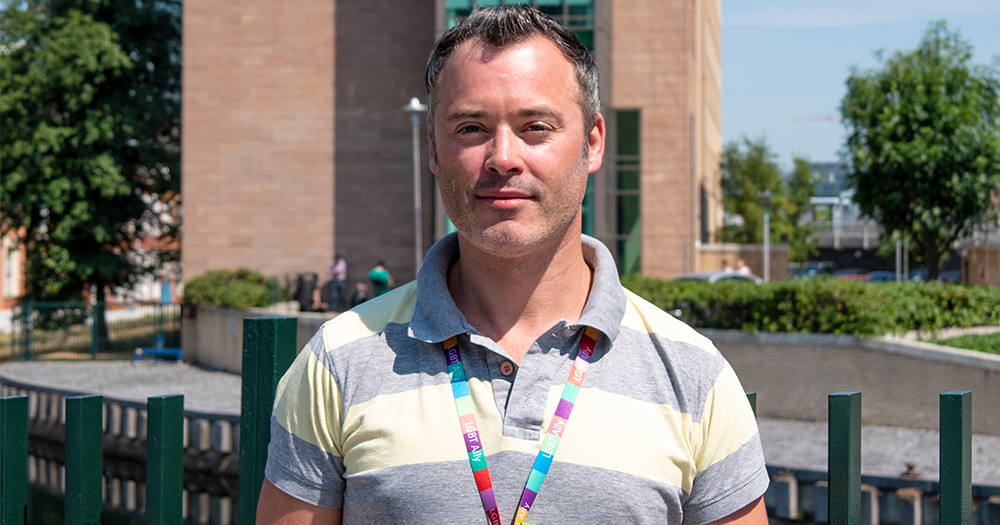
[{"x": 501, "y": 27}]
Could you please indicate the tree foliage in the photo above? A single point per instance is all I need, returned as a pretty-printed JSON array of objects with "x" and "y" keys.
[
  {"x": 86, "y": 167},
  {"x": 749, "y": 175},
  {"x": 923, "y": 146}
]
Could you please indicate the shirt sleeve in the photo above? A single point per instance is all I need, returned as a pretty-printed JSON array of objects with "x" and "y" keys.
[
  {"x": 731, "y": 472},
  {"x": 305, "y": 457}
]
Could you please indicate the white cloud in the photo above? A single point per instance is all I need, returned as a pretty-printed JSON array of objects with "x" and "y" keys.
[{"x": 845, "y": 13}]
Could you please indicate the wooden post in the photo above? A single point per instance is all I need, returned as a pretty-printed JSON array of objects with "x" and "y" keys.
[
  {"x": 13, "y": 460},
  {"x": 268, "y": 351},
  {"x": 84, "y": 459},
  {"x": 845, "y": 458},
  {"x": 164, "y": 459},
  {"x": 956, "y": 458}
]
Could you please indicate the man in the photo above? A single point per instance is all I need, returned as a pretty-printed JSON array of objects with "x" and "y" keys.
[
  {"x": 338, "y": 280},
  {"x": 445, "y": 400}
]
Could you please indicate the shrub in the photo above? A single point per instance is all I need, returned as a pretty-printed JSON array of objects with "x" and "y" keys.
[
  {"x": 238, "y": 289},
  {"x": 822, "y": 305}
]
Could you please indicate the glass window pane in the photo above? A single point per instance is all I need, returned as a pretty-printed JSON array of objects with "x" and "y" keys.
[
  {"x": 549, "y": 3},
  {"x": 580, "y": 8},
  {"x": 555, "y": 11},
  {"x": 628, "y": 215},
  {"x": 458, "y": 4},
  {"x": 628, "y": 180},
  {"x": 489, "y": 3},
  {"x": 586, "y": 38},
  {"x": 588, "y": 213},
  {"x": 628, "y": 132},
  {"x": 629, "y": 251}
]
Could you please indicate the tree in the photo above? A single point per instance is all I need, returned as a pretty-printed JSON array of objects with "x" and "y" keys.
[
  {"x": 84, "y": 163},
  {"x": 749, "y": 174},
  {"x": 923, "y": 146},
  {"x": 801, "y": 187}
]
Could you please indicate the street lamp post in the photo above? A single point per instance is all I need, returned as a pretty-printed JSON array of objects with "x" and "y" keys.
[
  {"x": 765, "y": 197},
  {"x": 415, "y": 108}
]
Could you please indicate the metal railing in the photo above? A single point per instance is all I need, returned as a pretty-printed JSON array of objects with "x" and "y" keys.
[
  {"x": 269, "y": 348},
  {"x": 76, "y": 330}
]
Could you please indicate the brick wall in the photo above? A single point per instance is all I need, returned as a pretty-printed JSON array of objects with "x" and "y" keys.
[
  {"x": 257, "y": 141},
  {"x": 382, "y": 50}
]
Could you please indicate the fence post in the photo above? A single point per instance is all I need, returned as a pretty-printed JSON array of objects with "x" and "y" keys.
[
  {"x": 268, "y": 351},
  {"x": 844, "y": 458},
  {"x": 13, "y": 460},
  {"x": 26, "y": 329},
  {"x": 956, "y": 458},
  {"x": 164, "y": 459},
  {"x": 84, "y": 459}
]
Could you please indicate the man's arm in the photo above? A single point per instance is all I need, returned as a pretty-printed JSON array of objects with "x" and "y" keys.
[
  {"x": 752, "y": 514},
  {"x": 277, "y": 508}
]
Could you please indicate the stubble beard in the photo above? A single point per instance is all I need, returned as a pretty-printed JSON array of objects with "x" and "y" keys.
[{"x": 549, "y": 216}]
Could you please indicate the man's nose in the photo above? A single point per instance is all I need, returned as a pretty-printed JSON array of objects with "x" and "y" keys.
[{"x": 504, "y": 154}]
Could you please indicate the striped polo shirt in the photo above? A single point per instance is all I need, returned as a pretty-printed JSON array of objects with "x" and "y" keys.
[{"x": 365, "y": 418}]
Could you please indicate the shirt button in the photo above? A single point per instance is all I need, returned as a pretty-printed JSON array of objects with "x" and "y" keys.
[{"x": 506, "y": 368}]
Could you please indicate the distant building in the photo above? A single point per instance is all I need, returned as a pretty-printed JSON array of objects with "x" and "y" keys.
[
  {"x": 835, "y": 217},
  {"x": 295, "y": 145},
  {"x": 12, "y": 259}
]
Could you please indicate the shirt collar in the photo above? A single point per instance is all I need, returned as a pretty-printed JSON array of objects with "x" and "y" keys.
[{"x": 436, "y": 318}]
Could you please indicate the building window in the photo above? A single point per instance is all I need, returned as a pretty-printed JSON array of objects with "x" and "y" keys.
[
  {"x": 624, "y": 195},
  {"x": 577, "y": 15},
  {"x": 11, "y": 269}
]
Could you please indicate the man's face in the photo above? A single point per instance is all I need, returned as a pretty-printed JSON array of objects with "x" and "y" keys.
[{"x": 508, "y": 145}]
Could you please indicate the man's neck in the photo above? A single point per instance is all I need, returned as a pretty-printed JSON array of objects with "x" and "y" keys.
[{"x": 514, "y": 300}]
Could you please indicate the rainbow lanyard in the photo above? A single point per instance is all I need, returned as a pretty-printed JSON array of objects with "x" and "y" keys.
[{"x": 474, "y": 445}]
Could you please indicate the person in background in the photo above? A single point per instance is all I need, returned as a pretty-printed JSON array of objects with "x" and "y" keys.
[
  {"x": 515, "y": 379},
  {"x": 360, "y": 294},
  {"x": 338, "y": 279},
  {"x": 380, "y": 278},
  {"x": 742, "y": 268}
]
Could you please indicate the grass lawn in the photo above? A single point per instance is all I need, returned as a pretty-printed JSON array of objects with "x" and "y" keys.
[{"x": 989, "y": 343}]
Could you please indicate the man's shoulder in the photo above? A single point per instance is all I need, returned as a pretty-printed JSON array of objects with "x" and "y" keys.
[
  {"x": 370, "y": 318},
  {"x": 644, "y": 316}
]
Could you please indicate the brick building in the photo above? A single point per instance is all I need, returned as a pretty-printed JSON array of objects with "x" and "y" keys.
[{"x": 296, "y": 146}]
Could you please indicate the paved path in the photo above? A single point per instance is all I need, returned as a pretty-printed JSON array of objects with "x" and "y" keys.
[{"x": 793, "y": 444}]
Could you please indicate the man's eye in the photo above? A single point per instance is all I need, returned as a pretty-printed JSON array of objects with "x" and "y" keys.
[
  {"x": 470, "y": 128},
  {"x": 537, "y": 128}
]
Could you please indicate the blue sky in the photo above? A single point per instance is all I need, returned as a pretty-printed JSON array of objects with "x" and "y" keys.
[{"x": 784, "y": 62}]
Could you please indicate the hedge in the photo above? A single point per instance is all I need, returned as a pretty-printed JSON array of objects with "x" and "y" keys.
[
  {"x": 823, "y": 305},
  {"x": 238, "y": 289}
]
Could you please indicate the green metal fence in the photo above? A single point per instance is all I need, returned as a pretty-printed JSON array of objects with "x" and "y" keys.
[
  {"x": 76, "y": 330},
  {"x": 269, "y": 348}
]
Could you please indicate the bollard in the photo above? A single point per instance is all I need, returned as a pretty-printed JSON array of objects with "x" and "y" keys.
[
  {"x": 13, "y": 460},
  {"x": 956, "y": 458},
  {"x": 84, "y": 459},
  {"x": 845, "y": 458},
  {"x": 268, "y": 351},
  {"x": 164, "y": 459}
]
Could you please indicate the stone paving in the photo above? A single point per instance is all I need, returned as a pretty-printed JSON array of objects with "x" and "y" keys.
[{"x": 886, "y": 451}]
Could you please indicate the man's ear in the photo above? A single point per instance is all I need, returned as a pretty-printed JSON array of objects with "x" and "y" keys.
[
  {"x": 595, "y": 139},
  {"x": 431, "y": 152}
]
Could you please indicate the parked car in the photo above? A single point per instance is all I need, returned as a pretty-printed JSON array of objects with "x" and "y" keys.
[
  {"x": 951, "y": 276},
  {"x": 853, "y": 274},
  {"x": 712, "y": 277},
  {"x": 814, "y": 268},
  {"x": 881, "y": 276}
]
